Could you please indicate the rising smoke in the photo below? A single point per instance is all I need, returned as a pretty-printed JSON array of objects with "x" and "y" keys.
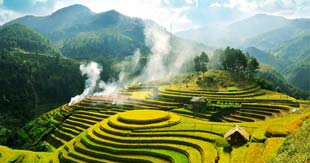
[
  {"x": 92, "y": 72},
  {"x": 167, "y": 59}
]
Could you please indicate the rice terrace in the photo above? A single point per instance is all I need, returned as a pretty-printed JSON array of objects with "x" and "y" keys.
[
  {"x": 185, "y": 81},
  {"x": 170, "y": 126}
]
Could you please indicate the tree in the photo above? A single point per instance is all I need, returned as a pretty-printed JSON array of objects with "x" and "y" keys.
[
  {"x": 201, "y": 62},
  {"x": 253, "y": 65}
]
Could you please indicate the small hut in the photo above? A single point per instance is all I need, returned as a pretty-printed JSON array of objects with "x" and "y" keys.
[
  {"x": 237, "y": 136},
  {"x": 198, "y": 103}
]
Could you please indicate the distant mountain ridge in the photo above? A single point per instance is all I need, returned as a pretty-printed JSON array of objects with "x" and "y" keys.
[
  {"x": 261, "y": 30},
  {"x": 71, "y": 25},
  {"x": 82, "y": 34}
]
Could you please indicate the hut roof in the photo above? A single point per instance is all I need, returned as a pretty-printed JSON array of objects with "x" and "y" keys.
[
  {"x": 238, "y": 129},
  {"x": 196, "y": 98}
]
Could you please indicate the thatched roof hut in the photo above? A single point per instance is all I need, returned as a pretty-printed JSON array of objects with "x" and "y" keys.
[{"x": 237, "y": 136}]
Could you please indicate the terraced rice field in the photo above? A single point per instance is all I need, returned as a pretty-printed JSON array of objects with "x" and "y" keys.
[{"x": 156, "y": 127}]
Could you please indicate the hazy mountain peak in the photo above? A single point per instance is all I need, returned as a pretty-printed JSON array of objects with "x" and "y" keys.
[
  {"x": 113, "y": 12},
  {"x": 261, "y": 15},
  {"x": 73, "y": 9}
]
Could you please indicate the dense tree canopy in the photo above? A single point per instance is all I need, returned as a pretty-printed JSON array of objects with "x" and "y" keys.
[
  {"x": 235, "y": 61},
  {"x": 30, "y": 82}
]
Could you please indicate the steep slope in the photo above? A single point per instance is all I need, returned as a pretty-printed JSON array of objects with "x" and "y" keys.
[
  {"x": 299, "y": 73},
  {"x": 33, "y": 78},
  {"x": 277, "y": 81},
  {"x": 266, "y": 58},
  {"x": 295, "y": 49},
  {"x": 17, "y": 36}
]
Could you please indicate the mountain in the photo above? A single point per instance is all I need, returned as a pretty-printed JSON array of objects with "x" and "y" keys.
[
  {"x": 108, "y": 37},
  {"x": 295, "y": 49},
  {"x": 273, "y": 39},
  {"x": 298, "y": 73},
  {"x": 255, "y": 25},
  {"x": 266, "y": 58},
  {"x": 236, "y": 33},
  {"x": 17, "y": 36},
  {"x": 60, "y": 19}
]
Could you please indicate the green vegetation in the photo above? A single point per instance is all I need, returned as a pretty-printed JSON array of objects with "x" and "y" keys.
[
  {"x": 236, "y": 62},
  {"x": 295, "y": 147},
  {"x": 17, "y": 36},
  {"x": 32, "y": 83},
  {"x": 272, "y": 80},
  {"x": 33, "y": 79}
]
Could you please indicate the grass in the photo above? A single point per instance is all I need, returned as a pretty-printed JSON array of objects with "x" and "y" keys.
[{"x": 296, "y": 147}]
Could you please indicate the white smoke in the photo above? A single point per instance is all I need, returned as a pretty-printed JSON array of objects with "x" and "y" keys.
[
  {"x": 159, "y": 42},
  {"x": 163, "y": 63},
  {"x": 129, "y": 66},
  {"x": 92, "y": 72}
]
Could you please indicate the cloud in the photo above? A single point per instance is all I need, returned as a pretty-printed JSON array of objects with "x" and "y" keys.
[
  {"x": 287, "y": 8},
  {"x": 30, "y": 6},
  {"x": 7, "y": 15},
  {"x": 178, "y": 14}
]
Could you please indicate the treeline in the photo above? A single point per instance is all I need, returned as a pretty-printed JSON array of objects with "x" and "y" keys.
[{"x": 242, "y": 65}]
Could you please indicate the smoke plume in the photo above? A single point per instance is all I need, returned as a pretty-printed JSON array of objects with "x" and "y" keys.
[
  {"x": 92, "y": 72},
  {"x": 167, "y": 59}
]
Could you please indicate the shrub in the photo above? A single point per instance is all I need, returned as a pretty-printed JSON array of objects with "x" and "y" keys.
[
  {"x": 221, "y": 142},
  {"x": 276, "y": 131}
]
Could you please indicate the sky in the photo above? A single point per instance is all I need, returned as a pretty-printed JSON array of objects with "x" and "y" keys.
[{"x": 174, "y": 15}]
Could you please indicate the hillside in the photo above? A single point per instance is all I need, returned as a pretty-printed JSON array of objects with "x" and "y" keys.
[
  {"x": 97, "y": 130},
  {"x": 107, "y": 37},
  {"x": 267, "y": 58},
  {"x": 17, "y": 36},
  {"x": 34, "y": 78},
  {"x": 67, "y": 26},
  {"x": 298, "y": 74},
  {"x": 291, "y": 60},
  {"x": 295, "y": 49}
]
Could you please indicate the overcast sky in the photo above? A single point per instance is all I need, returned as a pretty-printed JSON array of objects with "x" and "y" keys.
[{"x": 173, "y": 14}]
